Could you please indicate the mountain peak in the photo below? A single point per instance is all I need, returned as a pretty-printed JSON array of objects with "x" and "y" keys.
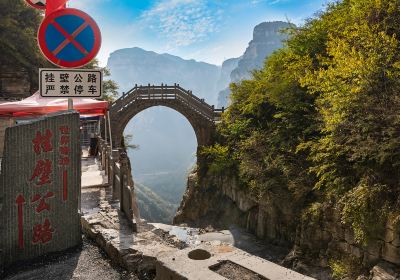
[{"x": 267, "y": 37}]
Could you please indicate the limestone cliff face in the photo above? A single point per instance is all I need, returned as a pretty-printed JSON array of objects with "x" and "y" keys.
[
  {"x": 220, "y": 202},
  {"x": 280, "y": 218},
  {"x": 204, "y": 204},
  {"x": 267, "y": 38},
  {"x": 225, "y": 79},
  {"x": 226, "y": 69}
]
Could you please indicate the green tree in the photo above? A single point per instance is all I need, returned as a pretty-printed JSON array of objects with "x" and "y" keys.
[
  {"x": 322, "y": 116},
  {"x": 18, "y": 43},
  {"x": 110, "y": 87}
]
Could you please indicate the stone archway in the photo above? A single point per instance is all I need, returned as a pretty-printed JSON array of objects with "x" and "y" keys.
[{"x": 200, "y": 115}]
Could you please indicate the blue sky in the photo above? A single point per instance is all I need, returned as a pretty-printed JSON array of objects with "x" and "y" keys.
[{"x": 205, "y": 30}]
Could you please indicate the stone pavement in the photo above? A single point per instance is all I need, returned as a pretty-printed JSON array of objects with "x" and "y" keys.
[
  {"x": 106, "y": 225},
  {"x": 165, "y": 252},
  {"x": 203, "y": 261},
  {"x": 92, "y": 176}
]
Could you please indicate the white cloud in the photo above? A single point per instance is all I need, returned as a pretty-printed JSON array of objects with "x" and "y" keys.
[
  {"x": 182, "y": 22},
  {"x": 270, "y": 2}
]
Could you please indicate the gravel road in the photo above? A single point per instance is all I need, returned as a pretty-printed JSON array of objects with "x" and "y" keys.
[{"x": 85, "y": 263}]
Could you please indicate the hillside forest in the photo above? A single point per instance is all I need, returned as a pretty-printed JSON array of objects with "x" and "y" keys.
[{"x": 321, "y": 120}]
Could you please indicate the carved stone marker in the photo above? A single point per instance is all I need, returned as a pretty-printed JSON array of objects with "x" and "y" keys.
[{"x": 40, "y": 188}]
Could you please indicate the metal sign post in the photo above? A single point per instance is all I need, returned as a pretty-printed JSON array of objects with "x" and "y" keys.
[{"x": 70, "y": 104}]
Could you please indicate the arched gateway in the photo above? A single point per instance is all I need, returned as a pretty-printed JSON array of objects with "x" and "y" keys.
[{"x": 201, "y": 115}]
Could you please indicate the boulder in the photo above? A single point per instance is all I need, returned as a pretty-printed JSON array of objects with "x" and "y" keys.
[{"x": 384, "y": 271}]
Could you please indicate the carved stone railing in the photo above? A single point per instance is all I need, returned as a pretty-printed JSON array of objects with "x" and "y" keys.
[
  {"x": 165, "y": 92},
  {"x": 115, "y": 164},
  {"x": 202, "y": 116}
]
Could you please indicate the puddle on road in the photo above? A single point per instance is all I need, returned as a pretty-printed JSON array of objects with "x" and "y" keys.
[{"x": 188, "y": 235}]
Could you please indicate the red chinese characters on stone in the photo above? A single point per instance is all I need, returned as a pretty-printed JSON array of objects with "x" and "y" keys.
[
  {"x": 63, "y": 161},
  {"x": 64, "y": 140},
  {"x": 42, "y": 143},
  {"x": 42, "y": 202},
  {"x": 42, "y": 233},
  {"x": 64, "y": 151},
  {"x": 64, "y": 129},
  {"x": 42, "y": 172},
  {"x": 64, "y": 146},
  {"x": 41, "y": 175}
]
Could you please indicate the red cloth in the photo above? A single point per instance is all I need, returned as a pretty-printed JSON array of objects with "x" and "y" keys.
[{"x": 36, "y": 105}]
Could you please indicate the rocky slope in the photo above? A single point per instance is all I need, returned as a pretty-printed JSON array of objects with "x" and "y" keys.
[
  {"x": 267, "y": 38},
  {"x": 316, "y": 237},
  {"x": 153, "y": 207}
]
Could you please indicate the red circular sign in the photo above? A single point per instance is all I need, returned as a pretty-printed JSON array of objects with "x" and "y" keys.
[
  {"x": 69, "y": 38},
  {"x": 38, "y": 4}
]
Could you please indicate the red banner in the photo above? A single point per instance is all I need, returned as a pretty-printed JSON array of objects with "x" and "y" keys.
[{"x": 53, "y": 5}]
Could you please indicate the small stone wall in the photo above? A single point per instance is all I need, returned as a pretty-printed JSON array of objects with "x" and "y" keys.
[{"x": 329, "y": 237}]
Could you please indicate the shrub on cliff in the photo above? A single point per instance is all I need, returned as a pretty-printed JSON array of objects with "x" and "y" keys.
[{"x": 323, "y": 114}]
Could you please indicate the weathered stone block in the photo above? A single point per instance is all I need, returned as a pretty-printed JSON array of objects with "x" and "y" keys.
[
  {"x": 391, "y": 253},
  {"x": 349, "y": 236},
  {"x": 40, "y": 184},
  {"x": 356, "y": 251},
  {"x": 392, "y": 236},
  {"x": 384, "y": 271},
  {"x": 375, "y": 248}
]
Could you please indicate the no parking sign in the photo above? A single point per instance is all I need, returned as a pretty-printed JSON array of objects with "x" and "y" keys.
[{"x": 69, "y": 38}]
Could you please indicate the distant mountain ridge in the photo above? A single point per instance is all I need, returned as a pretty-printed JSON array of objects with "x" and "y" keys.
[{"x": 137, "y": 66}]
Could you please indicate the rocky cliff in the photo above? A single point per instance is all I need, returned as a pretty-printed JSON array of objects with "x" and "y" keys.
[
  {"x": 225, "y": 79},
  {"x": 267, "y": 37},
  {"x": 316, "y": 237}
]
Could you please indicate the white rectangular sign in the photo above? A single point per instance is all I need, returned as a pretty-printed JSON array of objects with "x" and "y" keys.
[{"x": 70, "y": 83}]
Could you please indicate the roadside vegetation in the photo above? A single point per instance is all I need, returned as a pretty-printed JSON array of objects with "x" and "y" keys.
[{"x": 321, "y": 119}]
